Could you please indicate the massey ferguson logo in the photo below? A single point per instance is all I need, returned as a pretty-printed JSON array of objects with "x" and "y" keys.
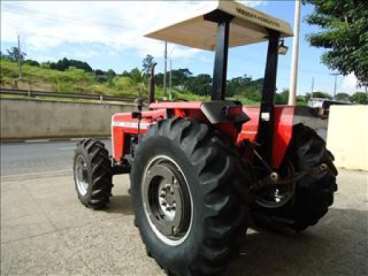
[{"x": 257, "y": 17}]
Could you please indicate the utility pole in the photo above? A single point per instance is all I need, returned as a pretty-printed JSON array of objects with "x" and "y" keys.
[
  {"x": 295, "y": 55},
  {"x": 170, "y": 79},
  {"x": 165, "y": 67},
  {"x": 19, "y": 57},
  {"x": 335, "y": 84},
  {"x": 312, "y": 87}
]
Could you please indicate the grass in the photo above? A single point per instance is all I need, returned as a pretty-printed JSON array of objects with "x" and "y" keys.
[{"x": 75, "y": 80}]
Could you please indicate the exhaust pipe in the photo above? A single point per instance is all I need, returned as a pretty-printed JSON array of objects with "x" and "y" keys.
[{"x": 151, "y": 92}]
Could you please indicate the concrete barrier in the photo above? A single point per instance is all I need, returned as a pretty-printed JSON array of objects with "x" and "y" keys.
[
  {"x": 28, "y": 119},
  {"x": 347, "y": 136},
  {"x": 36, "y": 119}
]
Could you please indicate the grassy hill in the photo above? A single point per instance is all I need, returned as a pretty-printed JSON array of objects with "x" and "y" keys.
[{"x": 44, "y": 78}]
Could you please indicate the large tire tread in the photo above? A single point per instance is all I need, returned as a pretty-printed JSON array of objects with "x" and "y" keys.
[
  {"x": 100, "y": 173},
  {"x": 314, "y": 194},
  {"x": 224, "y": 222}
]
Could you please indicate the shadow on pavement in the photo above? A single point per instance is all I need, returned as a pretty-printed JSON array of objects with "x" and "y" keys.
[
  {"x": 336, "y": 246},
  {"x": 120, "y": 204}
]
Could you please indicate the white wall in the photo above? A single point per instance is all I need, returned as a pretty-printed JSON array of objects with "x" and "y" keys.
[
  {"x": 26, "y": 119},
  {"x": 347, "y": 136}
]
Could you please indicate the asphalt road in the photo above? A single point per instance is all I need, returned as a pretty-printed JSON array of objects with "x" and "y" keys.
[
  {"x": 45, "y": 230},
  {"x": 38, "y": 157}
]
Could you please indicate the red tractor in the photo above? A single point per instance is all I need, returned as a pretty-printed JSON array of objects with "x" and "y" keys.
[{"x": 201, "y": 171}]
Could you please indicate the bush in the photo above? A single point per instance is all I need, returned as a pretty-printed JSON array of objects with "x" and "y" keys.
[
  {"x": 123, "y": 83},
  {"x": 360, "y": 98}
]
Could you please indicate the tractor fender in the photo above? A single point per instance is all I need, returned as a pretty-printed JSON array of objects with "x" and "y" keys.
[{"x": 224, "y": 112}]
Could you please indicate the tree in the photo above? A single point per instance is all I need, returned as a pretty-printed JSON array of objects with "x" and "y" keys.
[
  {"x": 136, "y": 75},
  {"x": 32, "y": 62},
  {"x": 237, "y": 85},
  {"x": 147, "y": 64},
  {"x": 322, "y": 95},
  {"x": 200, "y": 85},
  {"x": 359, "y": 98},
  {"x": 344, "y": 33},
  {"x": 342, "y": 97},
  {"x": 65, "y": 63},
  {"x": 180, "y": 76},
  {"x": 110, "y": 75},
  {"x": 15, "y": 55},
  {"x": 282, "y": 98},
  {"x": 159, "y": 79}
]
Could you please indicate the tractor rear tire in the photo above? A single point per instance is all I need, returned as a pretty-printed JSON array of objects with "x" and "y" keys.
[
  {"x": 205, "y": 171},
  {"x": 92, "y": 173},
  {"x": 312, "y": 194}
]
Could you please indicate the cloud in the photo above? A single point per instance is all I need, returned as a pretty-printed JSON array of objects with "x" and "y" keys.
[
  {"x": 118, "y": 25},
  {"x": 349, "y": 84}
]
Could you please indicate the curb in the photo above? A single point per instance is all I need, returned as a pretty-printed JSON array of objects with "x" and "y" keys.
[{"x": 48, "y": 140}]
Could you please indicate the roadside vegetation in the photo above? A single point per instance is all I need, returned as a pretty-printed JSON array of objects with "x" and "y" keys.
[{"x": 68, "y": 75}]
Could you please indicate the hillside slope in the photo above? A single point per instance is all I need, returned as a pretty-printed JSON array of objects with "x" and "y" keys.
[{"x": 76, "y": 80}]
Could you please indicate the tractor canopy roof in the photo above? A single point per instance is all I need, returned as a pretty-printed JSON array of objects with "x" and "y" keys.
[{"x": 247, "y": 26}]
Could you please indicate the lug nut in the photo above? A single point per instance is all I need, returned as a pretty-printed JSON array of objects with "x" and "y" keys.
[
  {"x": 274, "y": 176},
  {"x": 174, "y": 230}
]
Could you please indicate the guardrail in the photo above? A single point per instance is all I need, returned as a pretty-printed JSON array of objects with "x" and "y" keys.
[{"x": 65, "y": 95}]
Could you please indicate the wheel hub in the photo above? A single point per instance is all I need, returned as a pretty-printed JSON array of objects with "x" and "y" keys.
[
  {"x": 167, "y": 201},
  {"x": 278, "y": 195},
  {"x": 81, "y": 175}
]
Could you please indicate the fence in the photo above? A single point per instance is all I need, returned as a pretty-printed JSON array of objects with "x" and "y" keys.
[{"x": 65, "y": 95}]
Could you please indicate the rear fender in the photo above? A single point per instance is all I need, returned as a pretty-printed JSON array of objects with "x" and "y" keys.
[
  {"x": 283, "y": 130},
  {"x": 227, "y": 116}
]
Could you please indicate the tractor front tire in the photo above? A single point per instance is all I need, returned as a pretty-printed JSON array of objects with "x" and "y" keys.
[
  {"x": 92, "y": 173},
  {"x": 313, "y": 194},
  {"x": 183, "y": 189}
]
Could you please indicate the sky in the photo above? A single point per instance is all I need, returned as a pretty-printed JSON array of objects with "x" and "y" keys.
[{"x": 109, "y": 34}]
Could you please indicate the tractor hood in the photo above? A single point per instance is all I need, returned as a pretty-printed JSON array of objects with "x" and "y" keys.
[{"x": 247, "y": 26}]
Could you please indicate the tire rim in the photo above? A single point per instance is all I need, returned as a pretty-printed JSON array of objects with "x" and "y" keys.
[
  {"x": 167, "y": 200},
  {"x": 278, "y": 196},
  {"x": 81, "y": 174}
]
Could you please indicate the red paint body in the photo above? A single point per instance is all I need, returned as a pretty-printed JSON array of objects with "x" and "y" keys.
[{"x": 124, "y": 126}]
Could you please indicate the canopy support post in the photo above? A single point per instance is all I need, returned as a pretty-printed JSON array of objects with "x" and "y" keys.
[
  {"x": 266, "y": 115},
  {"x": 221, "y": 55}
]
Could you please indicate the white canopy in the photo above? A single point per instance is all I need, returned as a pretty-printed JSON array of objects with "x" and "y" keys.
[{"x": 248, "y": 26}]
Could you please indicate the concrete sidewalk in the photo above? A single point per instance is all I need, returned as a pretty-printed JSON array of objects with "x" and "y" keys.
[{"x": 45, "y": 230}]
